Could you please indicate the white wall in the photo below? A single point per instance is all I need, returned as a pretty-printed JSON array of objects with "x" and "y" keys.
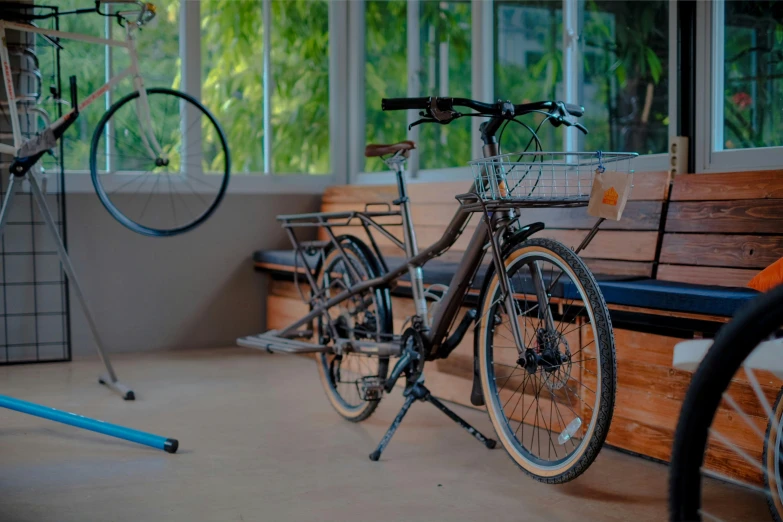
[{"x": 191, "y": 291}]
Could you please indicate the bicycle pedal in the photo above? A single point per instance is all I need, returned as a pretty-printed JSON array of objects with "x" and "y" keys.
[{"x": 371, "y": 388}]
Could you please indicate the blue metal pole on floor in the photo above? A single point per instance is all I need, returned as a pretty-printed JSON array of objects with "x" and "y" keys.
[{"x": 140, "y": 437}]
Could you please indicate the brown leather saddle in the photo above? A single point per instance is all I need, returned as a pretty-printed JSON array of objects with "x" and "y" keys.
[{"x": 375, "y": 150}]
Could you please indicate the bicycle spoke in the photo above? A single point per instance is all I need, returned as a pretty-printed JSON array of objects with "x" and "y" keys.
[{"x": 730, "y": 400}]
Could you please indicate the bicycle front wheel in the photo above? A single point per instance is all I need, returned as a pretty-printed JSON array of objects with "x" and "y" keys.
[
  {"x": 731, "y": 423},
  {"x": 550, "y": 400},
  {"x": 161, "y": 174}
]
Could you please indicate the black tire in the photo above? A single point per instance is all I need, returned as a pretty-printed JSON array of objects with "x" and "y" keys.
[
  {"x": 552, "y": 378},
  {"x": 160, "y": 225},
  {"x": 733, "y": 344},
  {"x": 353, "y": 408},
  {"x": 773, "y": 461}
]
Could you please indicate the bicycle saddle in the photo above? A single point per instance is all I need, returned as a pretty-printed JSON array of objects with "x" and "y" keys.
[{"x": 375, "y": 150}]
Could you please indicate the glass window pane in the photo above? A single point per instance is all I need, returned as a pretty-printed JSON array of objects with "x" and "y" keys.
[
  {"x": 300, "y": 97},
  {"x": 232, "y": 76},
  {"x": 385, "y": 73},
  {"x": 626, "y": 76},
  {"x": 158, "y": 47},
  {"x": 87, "y": 61},
  {"x": 753, "y": 75},
  {"x": 528, "y": 64},
  {"x": 445, "y": 71}
]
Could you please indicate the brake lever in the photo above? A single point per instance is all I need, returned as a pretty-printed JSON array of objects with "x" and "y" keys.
[
  {"x": 430, "y": 119},
  {"x": 423, "y": 120},
  {"x": 581, "y": 128}
]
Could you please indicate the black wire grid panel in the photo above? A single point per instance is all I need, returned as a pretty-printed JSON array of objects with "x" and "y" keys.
[{"x": 34, "y": 304}]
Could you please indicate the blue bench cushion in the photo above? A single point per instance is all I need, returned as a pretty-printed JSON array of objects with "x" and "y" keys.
[
  {"x": 677, "y": 297},
  {"x": 637, "y": 293}
]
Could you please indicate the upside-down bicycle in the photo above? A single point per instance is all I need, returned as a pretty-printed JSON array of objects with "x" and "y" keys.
[{"x": 544, "y": 348}]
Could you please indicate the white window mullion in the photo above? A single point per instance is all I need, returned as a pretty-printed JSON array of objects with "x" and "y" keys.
[
  {"x": 414, "y": 70},
  {"x": 482, "y": 64},
  {"x": 338, "y": 89},
  {"x": 356, "y": 108},
  {"x": 674, "y": 99},
  {"x": 108, "y": 98},
  {"x": 266, "y": 24},
  {"x": 709, "y": 139},
  {"x": 717, "y": 16},
  {"x": 190, "y": 63},
  {"x": 572, "y": 70}
]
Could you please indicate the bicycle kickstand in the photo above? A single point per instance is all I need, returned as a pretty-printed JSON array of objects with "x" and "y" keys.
[{"x": 420, "y": 392}]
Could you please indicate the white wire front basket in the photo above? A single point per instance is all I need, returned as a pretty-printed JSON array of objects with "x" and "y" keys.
[{"x": 544, "y": 178}]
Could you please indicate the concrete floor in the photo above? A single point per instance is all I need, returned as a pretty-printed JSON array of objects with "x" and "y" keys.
[{"x": 259, "y": 441}]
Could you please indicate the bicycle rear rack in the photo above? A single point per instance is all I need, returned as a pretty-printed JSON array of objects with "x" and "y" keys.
[{"x": 271, "y": 342}]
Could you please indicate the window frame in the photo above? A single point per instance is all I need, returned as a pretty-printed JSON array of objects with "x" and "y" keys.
[
  {"x": 482, "y": 70},
  {"x": 709, "y": 108},
  {"x": 346, "y": 95}
]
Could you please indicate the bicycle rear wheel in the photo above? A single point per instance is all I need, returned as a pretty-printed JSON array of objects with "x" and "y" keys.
[
  {"x": 730, "y": 423},
  {"x": 352, "y": 381},
  {"x": 166, "y": 193}
]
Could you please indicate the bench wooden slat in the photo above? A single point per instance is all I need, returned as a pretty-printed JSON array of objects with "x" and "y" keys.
[
  {"x": 607, "y": 244},
  {"x": 646, "y": 186},
  {"x": 706, "y": 275},
  {"x": 638, "y": 215},
  {"x": 733, "y": 217},
  {"x": 740, "y": 251},
  {"x": 619, "y": 268},
  {"x": 766, "y": 184}
]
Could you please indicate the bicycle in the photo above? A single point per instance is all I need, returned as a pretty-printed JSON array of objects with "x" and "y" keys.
[
  {"x": 740, "y": 378},
  {"x": 538, "y": 300},
  {"x": 153, "y": 142}
]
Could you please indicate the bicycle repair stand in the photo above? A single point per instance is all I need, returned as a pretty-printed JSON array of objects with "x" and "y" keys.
[
  {"x": 417, "y": 391},
  {"x": 20, "y": 169}
]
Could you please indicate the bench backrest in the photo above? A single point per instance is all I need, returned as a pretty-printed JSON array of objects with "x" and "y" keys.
[
  {"x": 626, "y": 247},
  {"x": 721, "y": 229}
]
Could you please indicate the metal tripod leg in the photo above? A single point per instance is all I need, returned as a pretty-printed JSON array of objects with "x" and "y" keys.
[
  {"x": 489, "y": 443},
  {"x": 110, "y": 379},
  {"x": 375, "y": 455},
  {"x": 420, "y": 392}
]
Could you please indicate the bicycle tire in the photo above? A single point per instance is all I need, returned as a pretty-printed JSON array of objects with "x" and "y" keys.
[
  {"x": 573, "y": 465},
  {"x": 756, "y": 321},
  {"x": 366, "y": 261},
  {"x": 221, "y": 152}
]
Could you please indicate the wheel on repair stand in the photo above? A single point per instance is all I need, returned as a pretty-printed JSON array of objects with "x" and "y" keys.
[
  {"x": 353, "y": 381},
  {"x": 550, "y": 403},
  {"x": 166, "y": 193}
]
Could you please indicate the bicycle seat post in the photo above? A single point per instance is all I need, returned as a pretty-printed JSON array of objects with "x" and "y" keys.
[{"x": 396, "y": 163}]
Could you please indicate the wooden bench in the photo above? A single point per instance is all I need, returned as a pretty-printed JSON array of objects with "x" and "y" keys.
[{"x": 718, "y": 230}]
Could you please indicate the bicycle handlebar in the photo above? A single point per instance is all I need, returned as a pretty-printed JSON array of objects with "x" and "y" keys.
[{"x": 494, "y": 109}]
